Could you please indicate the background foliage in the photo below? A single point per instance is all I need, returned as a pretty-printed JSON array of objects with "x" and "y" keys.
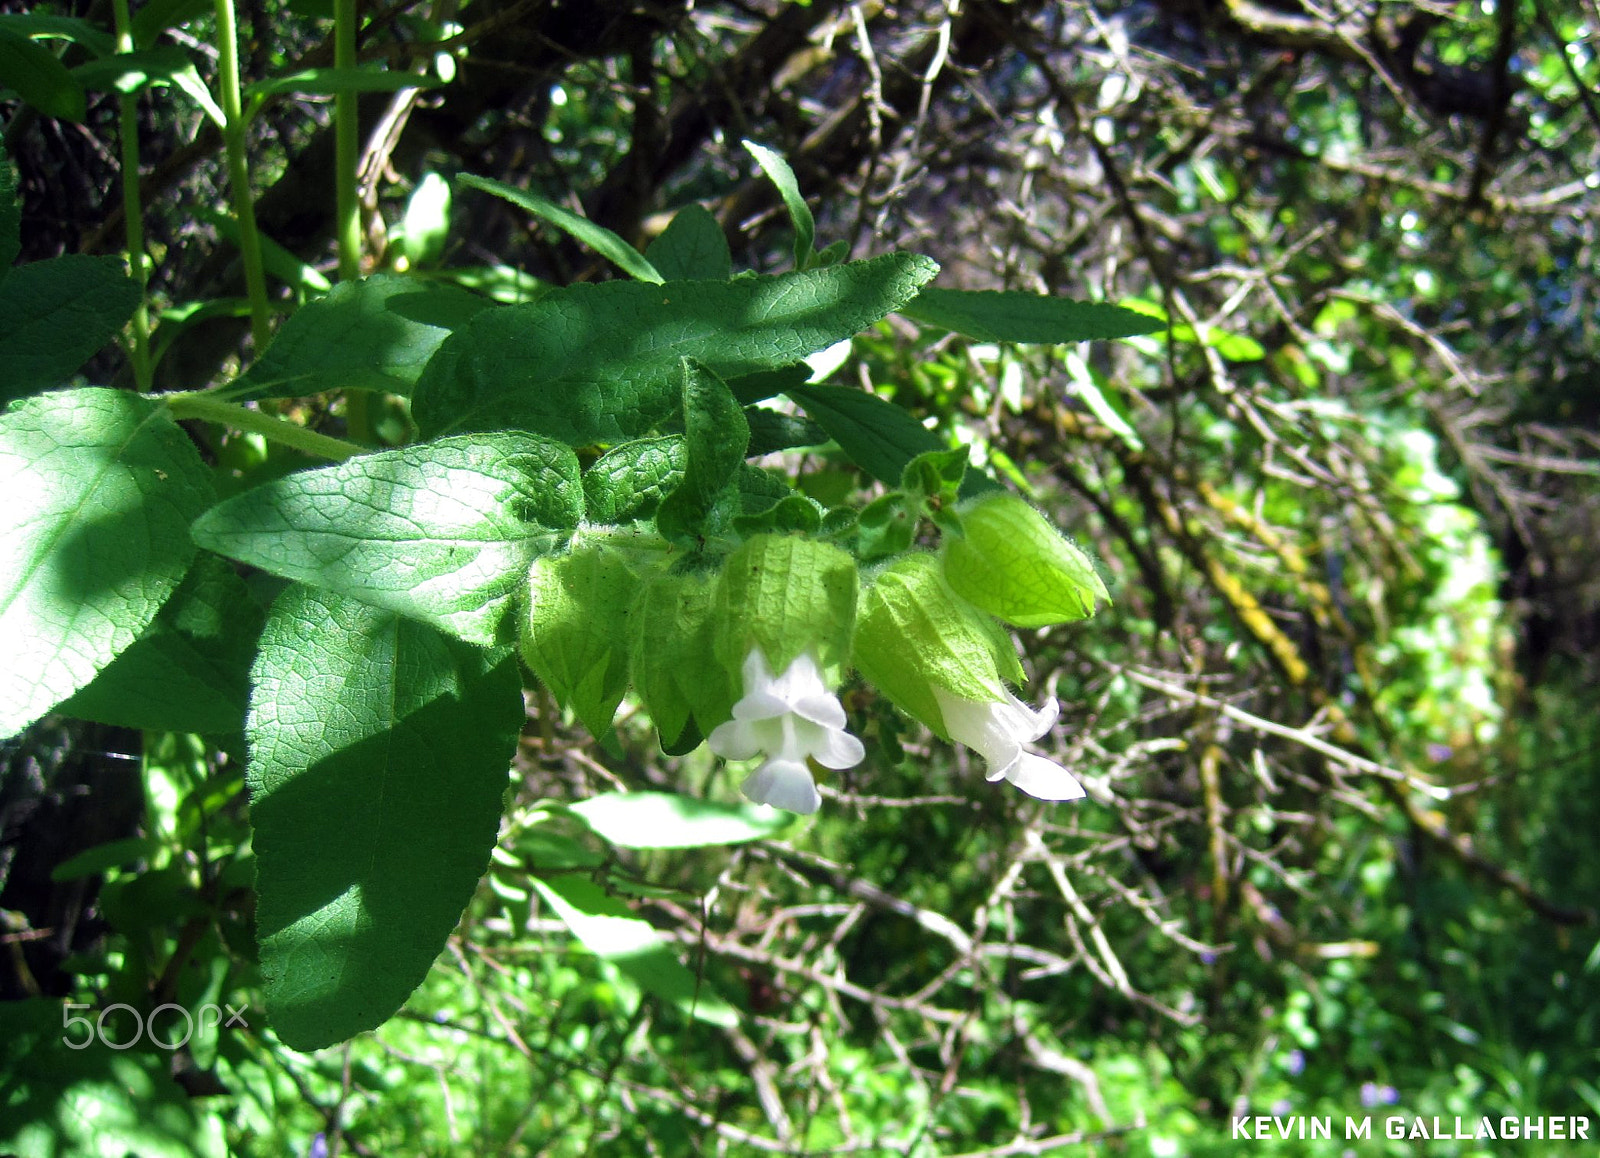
[{"x": 1338, "y": 730}]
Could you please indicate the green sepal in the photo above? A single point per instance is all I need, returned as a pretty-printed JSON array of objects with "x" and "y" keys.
[
  {"x": 793, "y": 512},
  {"x": 786, "y": 594},
  {"x": 579, "y": 629},
  {"x": 888, "y": 525},
  {"x": 1009, "y": 561},
  {"x": 914, "y": 633},
  {"x": 936, "y": 474},
  {"x": 685, "y": 693}
]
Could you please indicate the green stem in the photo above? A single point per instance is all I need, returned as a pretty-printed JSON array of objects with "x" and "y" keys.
[
  {"x": 347, "y": 209},
  {"x": 208, "y": 409},
  {"x": 346, "y": 143},
  {"x": 233, "y": 133},
  {"x": 132, "y": 211}
]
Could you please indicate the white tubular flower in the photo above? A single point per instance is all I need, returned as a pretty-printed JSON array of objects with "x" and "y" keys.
[
  {"x": 786, "y": 718},
  {"x": 997, "y": 730}
]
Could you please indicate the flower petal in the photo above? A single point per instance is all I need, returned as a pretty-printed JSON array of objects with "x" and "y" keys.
[
  {"x": 824, "y": 709},
  {"x": 1043, "y": 779},
  {"x": 984, "y": 726},
  {"x": 836, "y": 748},
  {"x": 783, "y": 784},
  {"x": 735, "y": 740},
  {"x": 799, "y": 680},
  {"x": 760, "y": 704}
]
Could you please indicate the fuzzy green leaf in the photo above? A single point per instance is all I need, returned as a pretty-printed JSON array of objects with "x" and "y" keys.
[
  {"x": 379, "y": 753},
  {"x": 914, "y": 633},
  {"x": 35, "y": 74},
  {"x": 608, "y": 929},
  {"x": 629, "y": 481},
  {"x": 440, "y": 531},
  {"x": 1009, "y": 316},
  {"x": 770, "y": 431},
  {"x": 190, "y": 670},
  {"x": 786, "y": 594},
  {"x": 715, "y": 437},
  {"x": 599, "y": 363},
  {"x": 373, "y": 334},
  {"x": 692, "y": 248},
  {"x": 780, "y": 174},
  {"x": 597, "y": 237},
  {"x": 54, "y": 314},
  {"x": 878, "y": 436},
  {"x": 101, "y": 487}
]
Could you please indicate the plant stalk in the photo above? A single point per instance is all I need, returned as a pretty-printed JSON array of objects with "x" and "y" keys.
[
  {"x": 347, "y": 207},
  {"x": 209, "y": 409},
  {"x": 233, "y": 133},
  {"x": 132, "y": 211},
  {"x": 346, "y": 142}
]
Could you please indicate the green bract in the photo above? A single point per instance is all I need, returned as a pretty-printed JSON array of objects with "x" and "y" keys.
[
  {"x": 786, "y": 595},
  {"x": 685, "y": 692},
  {"x": 914, "y": 633},
  {"x": 1013, "y": 564},
  {"x": 577, "y": 636}
]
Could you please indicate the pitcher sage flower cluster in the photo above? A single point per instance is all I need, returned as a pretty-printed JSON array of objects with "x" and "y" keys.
[{"x": 747, "y": 653}]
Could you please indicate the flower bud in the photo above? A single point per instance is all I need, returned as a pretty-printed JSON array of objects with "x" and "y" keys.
[
  {"x": 914, "y": 634},
  {"x": 578, "y": 634},
  {"x": 1009, "y": 561},
  {"x": 787, "y": 595},
  {"x": 943, "y": 661}
]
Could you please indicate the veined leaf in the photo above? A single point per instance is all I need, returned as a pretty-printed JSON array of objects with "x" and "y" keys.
[
  {"x": 101, "y": 486},
  {"x": 629, "y": 481},
  {"x": 46, "y": 27},
  {"x": 715, "y": 436},
  {"x": 597, "y": 237},
  {"x": 190, "y": 670},
  {"x": 440, "y": 531},
  {"x": 598, "y": 363},
  {"x": 667, "y": 820},
  {"x": 1009, "y": 316},
  {"x": 691, "y": 248},
  {"x": 156, "y": 17},
  {"x": 878, "y": 436},
  {"x": 129, "y": 72},
  {"x": 373, "y": 334},
  {"x": 780, "y": 174},
  {"x": 33, "y": 73},
  {"x": 379, "y": 752},
  {"x": 54, "y": 314},
  {"x": 608, "y": 929}
]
